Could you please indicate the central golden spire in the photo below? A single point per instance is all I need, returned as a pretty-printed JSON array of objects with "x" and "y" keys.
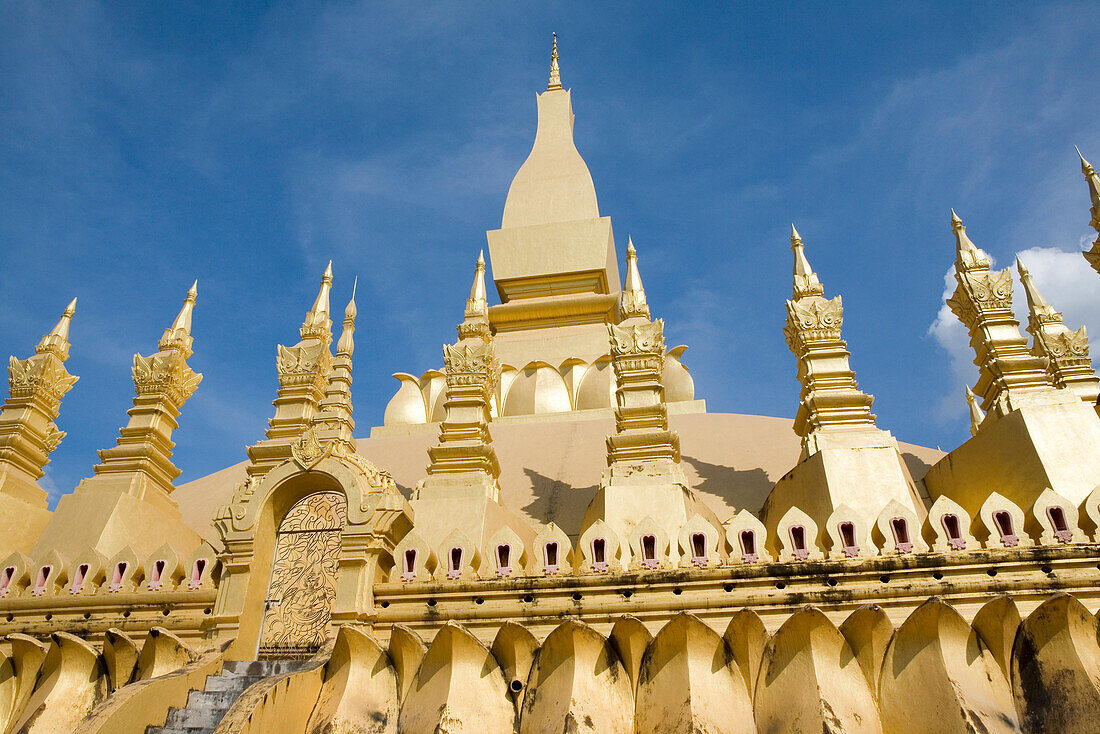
[{"x": 555, "y": 74}]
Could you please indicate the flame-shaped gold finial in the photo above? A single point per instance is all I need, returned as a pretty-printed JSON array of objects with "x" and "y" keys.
[
  {"x": 555, "y": 73},
  {"x": 57, "y": 341}
]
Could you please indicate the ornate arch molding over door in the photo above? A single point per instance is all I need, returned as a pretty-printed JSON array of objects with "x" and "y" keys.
[{"x": 302, "y": 590}]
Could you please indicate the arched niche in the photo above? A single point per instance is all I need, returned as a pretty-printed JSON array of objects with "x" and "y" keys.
[{"x": 377, "y": 517}]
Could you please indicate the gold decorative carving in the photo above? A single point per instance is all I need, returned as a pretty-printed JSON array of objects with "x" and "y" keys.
[
  {"x": 165, "y": 373},
  {"x": 45, "y": 377},
  {"x": 637, "y": 339},
  {"x": 308, "y": 450},
  {"x": 303, "y": 577}
]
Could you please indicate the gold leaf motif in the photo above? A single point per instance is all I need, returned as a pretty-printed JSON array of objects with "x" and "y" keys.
[
  {"x": 637, "y": 339},
  {"x": 308, "y": 450},
  {"x": 302, "y": 589}
]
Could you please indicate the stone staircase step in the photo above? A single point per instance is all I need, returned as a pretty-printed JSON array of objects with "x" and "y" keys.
[{"x": 206, "y": 708}]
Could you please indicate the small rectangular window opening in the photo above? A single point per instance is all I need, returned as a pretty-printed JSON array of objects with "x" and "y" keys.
[
  {"x": 40, "y": 582},
  {"x": 699, "y": 550},
  {"x": 900, "y": 528},
  {"x": 408, "y": 564},
  {"x": 747, "y": 540},
  {"x": 116, "y": 577},
  {"x": 454, "y": 563},
  {"x": 550, "y": 554},
  {"x": 1058, "y": 521},
  {"x": 78, "y": 579},
  {"x": 599, "y": 554},
  {"x": 503, "y": 555},
  {"x": 158, "y": 571},
  {"x": 649, "y": 551},
  {"x": 5, "y": 580},
  {"x": 197, "y": 570},
  {"x": 1003, "y": 520},
  {"x": 798, "y": 542},
  {"x": 848, "y": 539},
  {"x": 954, "y": 532}
]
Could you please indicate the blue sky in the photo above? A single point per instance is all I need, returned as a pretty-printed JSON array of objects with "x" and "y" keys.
[{"x": 143, "y": 145}]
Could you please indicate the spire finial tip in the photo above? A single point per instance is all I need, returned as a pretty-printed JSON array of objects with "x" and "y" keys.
[{"x": 555, "y": 72}]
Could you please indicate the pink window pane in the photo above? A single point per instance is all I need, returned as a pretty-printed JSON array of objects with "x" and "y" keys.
[
  {"x": 747, "y": 540},
  {"x": 954, "y": 532},
  {"x": 1003, "y": 521},
  {"x": 848, "y": 539},
  {"x": 550, "y": 556},
  {"x": 504, "y": 553},
  {"x": 798, "y": 543},
  {"x": 900, "y": 528},
  {"x": 454, "y": 563}
]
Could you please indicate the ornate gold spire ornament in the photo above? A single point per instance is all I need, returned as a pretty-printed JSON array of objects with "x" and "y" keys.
[
  {"x": 475, "y": 322},
  {"x": 555, "y": 73},
  {"x": 633, "y": 303},
  {"x": 982, "y": 301},
  {"x": 830, "y": 396},
  {"x": 57, "y": 341},
  {"x": 1092, "y": 255},
  {"x": 976, "y": 414},
  {"x": 304, "y": 372},
  {"x": 27, "y": 431},
  {"x": 335, "y": 420},
  {"x": 465, "y": 444},
  {"x": 805, "y": 280},
  {"x": 163, "y": 382},
  {"x": 318, "y": 323},
  {"x": 1067, "y": 351}
]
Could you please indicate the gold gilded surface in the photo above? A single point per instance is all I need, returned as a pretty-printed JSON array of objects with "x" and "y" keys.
[{"x": 303, "y": 577}]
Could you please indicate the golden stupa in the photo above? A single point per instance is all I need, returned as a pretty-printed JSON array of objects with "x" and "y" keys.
[{"x": 587, "y": 549}]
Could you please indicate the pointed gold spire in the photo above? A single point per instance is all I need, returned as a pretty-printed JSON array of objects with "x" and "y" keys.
[
  {"x": 976, "y": 414},
  {"x": 633, "y": 303},
  {"x": 555, "y": 73},
  {"x": 477, "y": 304},
  {"x": 346, "y": 345},
  {"x": 967, "y": 254},
  {"x": 57, "y": 341},
  {"x": 1091, "y": 177},
  {"x": 1036, "y": 304},
  {"x": 318, "y": 323},
  {"x": 1093, "y": 253},
  {"x": 1066, "y": 351},
  {"x": 178, "y": 335},
  {"x": 806, "y": 282}
]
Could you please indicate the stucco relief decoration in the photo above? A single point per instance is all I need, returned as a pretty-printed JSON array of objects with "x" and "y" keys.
[
  {"x": 473, "y": 329},
  {"x": 638, "y": 339},
  {"x": 817, "y": 319},
  {"x": 46, "y": 377},
  {"x": 981, "y": 292},
  {"x": 303, "y": 577},
  {"x": 303, "y": 365},
  {"x": 308, "y": 450},
  {"x": 165, "y": 373},
  {"x": 471, "y": 365},
  {"x": 634, "y": 303},
  {"x": 1072, "y": 345},
  {"x": 53, "y": 437}
]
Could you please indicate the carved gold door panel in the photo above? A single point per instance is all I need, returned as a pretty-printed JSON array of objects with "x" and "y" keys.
[{"x": 303, "y": 577}]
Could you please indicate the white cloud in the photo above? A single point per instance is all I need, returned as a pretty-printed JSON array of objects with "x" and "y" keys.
[
  {"x": 950, "y": 334},
  {"x": 1067, "y": 282},
  {"x": 1063, "y": 278}
]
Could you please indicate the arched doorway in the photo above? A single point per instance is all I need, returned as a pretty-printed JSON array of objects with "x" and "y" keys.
[{"x": 302, "y": 589}]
